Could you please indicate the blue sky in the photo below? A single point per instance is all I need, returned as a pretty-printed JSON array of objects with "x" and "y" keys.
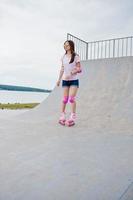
[{"x": 32, "y": 33}]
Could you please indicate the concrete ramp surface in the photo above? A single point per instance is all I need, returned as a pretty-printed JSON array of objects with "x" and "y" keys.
[{"x": 39, "y": 159}]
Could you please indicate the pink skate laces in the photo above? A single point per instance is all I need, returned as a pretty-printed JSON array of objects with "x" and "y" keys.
[
  {"x": 73, "y": 116},
  {"x": 62, "y": 117}
]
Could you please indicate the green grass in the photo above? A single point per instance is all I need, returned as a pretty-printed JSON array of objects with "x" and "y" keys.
[{"x": 18, "y": 105}]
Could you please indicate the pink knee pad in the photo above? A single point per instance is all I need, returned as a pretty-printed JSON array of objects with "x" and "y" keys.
[
  {"x": 65, "y": 99},
  {"x": 71, "y": 99}
]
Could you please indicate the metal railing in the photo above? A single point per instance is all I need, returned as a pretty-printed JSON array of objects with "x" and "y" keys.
[
  {"x": 81, "y": 47},
  {"x": 111, "y": 48}
]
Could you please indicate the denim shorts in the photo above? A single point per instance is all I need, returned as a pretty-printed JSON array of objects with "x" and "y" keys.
[{"x": 70, "y": 83}]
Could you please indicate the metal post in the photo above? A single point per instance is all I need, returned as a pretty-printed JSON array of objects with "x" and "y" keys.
[
  {"x": 131, "y": 47},
  {"x": 67, "y": 36},
  {"x": 105, "y": 48},
  {"x": 91, "y": 52},
  {"x": 94, "y": 49},
  {"x": 113, "y": 48},
  {"x": 86, "y": 51},
  {"x": 109, "y": 48},
  {"x": 101, "y": 49},
  {"x": 118, "y": 49},
  {"x": 98, "y": 51},
  {"x": 122, "y": 45},
  {"x": 126, "y": 46}
]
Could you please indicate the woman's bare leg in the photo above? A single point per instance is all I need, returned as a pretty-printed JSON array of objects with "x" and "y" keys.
[
  {"x": 65, "y": 93},
  {"x": 72, "y": 92}
]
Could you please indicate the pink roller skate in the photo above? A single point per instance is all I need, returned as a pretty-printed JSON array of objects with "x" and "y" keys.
[
  {"x": 71, "y": 120},
  {"x": 62, "y": 118}
]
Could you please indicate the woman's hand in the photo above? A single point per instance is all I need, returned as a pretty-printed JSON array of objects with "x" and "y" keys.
[
  {"x": 74, "y": 71},
  {"x": 58, "y": 83}
]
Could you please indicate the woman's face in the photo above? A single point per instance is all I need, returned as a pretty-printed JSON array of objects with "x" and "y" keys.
[{"x": 66, "y": 46}]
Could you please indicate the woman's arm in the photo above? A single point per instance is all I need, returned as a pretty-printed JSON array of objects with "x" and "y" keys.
[
  {"x": 77, "y": 69},
  {"x": 61, "y": 73}
]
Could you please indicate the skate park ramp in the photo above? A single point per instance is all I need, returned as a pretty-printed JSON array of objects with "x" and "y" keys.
[
  {"x": 105, "y": 97},
  {"x": 90, "y": 161}
]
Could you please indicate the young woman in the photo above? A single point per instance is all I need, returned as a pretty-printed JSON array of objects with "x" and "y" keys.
[{"x": 70, "y": 81}]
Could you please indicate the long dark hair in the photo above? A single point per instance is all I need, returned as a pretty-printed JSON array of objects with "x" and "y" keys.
[{"x": 72, "y": 48}]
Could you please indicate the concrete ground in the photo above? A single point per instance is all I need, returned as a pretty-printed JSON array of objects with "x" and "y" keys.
[
  {"x": 39, "y": 159},
  {"x": 8, "y": 113}
]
